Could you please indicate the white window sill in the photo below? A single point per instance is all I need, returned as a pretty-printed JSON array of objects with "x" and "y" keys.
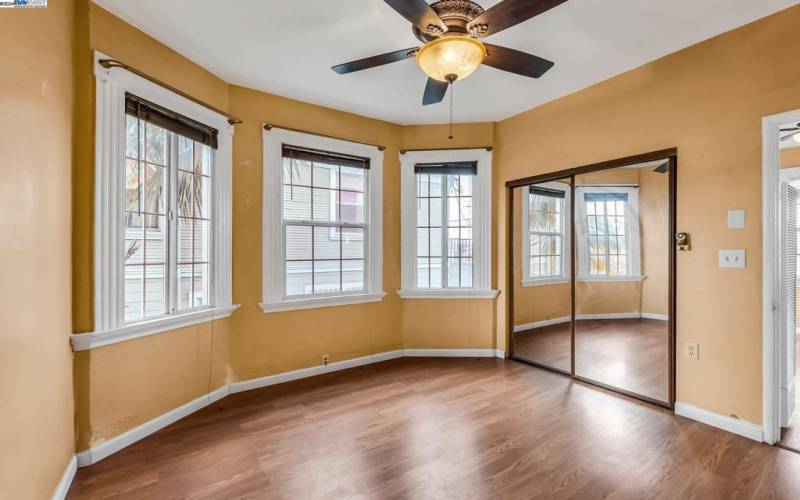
[
  {"x": 611, "y": 278},
  {"x": 317, "y": 302},
  {"x": 546, "y": 281},
  {"x": 448, "y": 294},
  {"x": 86, "y": 341}
]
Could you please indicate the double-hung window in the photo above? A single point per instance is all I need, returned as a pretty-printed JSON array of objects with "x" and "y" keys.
[
  {"x": 446, "y": 220},
  {"x": 162, "y": 210},
  {"x": 546, "y": 233},
  {"x": 322, "y": 221},
  {"x": 608, "y": 233}
]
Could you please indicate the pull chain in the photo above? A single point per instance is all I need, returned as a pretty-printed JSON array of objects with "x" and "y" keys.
[{"x": 452, "y": 91}]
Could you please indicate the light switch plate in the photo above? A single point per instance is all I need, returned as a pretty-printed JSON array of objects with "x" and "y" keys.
[
  {"x": 735, "y": 219},
  {"x": 732, "y": 258}
]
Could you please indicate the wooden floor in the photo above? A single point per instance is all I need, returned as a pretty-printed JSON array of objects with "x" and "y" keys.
[
  {"x": 790, "y": 436},
  {"x": 417, "y": 428},
  {"x": 631, "y": 354}
]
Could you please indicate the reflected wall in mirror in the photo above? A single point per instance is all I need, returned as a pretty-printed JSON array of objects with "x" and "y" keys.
[
  {"x": 542, "y": 329},
  {"x": 622, "y": 281}
]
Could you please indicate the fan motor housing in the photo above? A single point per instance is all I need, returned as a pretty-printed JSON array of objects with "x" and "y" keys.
[{"x": 455, "y": 14}]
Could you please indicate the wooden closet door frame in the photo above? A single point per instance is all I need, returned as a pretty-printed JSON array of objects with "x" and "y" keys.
[{"x": 671, "y": 155}]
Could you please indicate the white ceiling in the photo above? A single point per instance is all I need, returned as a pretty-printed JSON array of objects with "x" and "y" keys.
[{"x": 287, "y": 48}]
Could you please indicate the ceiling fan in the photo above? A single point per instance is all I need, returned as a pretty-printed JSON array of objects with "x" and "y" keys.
[
  {"x": 451, "y": 31},
  {"x": 793, "y": 136}
]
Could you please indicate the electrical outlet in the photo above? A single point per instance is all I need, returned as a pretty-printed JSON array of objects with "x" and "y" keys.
[
  {"x": 325, "y": 359},
  {"x": 692, "y": 351}
]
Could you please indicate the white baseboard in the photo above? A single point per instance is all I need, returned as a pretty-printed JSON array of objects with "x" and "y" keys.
[
  {"x": 660, "y": 317},
  {"x": 565, "y": 319},
  {"x": 313, "y": 371},
  {"x": 66, "y": 479},
  {"x": 730, "y": 424},
  {"x": 625, "y": 315},
  {"x": 540, "y": 324},
  {"x": 113, "y": 445}
]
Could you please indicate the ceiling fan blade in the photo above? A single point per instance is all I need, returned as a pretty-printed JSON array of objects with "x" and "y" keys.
[
  {"x": 371, "y": 62},
  {"x": 418, "y": 12},
  {"x": 515, "y": 61},
  {"x": 434, "y": 91},
  {"x": 509, "y": 13}
]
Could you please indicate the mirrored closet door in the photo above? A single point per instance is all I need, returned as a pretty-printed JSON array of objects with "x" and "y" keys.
[
  {"x": 593, "y": 274},
  {"x": 542, "y": 332}
]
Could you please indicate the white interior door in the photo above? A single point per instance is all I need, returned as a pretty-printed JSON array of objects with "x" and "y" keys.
[{"x": 788, "y": 299}]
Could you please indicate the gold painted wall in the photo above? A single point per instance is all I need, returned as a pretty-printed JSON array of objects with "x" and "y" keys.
[
  {"x": 264, "y": 344},
  {"x": 448, "y": 323},
  {"x": 121, "y": 386},
  {"x": 36, "y": 113},
  {"x": 738, "y": 78},
  {"x": 655, "y": 238}
]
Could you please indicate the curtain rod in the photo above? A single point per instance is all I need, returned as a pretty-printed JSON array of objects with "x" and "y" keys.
[
  {"x": 270, "y": 126},
  {"x": 113, "y": 63},
  {"x": 404, "y": 151}
]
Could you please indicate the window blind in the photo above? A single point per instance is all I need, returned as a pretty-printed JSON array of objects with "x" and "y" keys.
[
  {"x": 305, "y": 154},
  {"x": 552, "y": 193},
  {"x": 605, "y": 197},
  {"x": 170, "y": 120},
  {"x": 452, "y": 168}
]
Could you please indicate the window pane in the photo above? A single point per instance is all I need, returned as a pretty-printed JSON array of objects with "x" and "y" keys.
[
  {"x": 296, "y": 172},
  {"x": 202, "y": 159},
  {"x": 155, "y": 245},
  {"x": 351, "y": 207},
  {"x": 133, "y": 292},
  {"x": 134, "y": 243},
  {"x": 298, "y": 243},
  {"x": 423, "y": 213},
  {"x": 325, "y": 175},
  {"x": 298, "y": 278},
  {"x": 200, "y": 287},
  {"x": 154, "y": 189},
  {"x": 436, "y": 212},
  {"x": 353, "y": 179},
  {"x": 452, "y": 212},
  {"x": 324, "y": 205},
  {"x": 353, "y": 275},
  {"x": 453, "y": 243},
  {"x": 185, "y": 228},
  {"x": 453, "y": 280},
  {"x": 297, "y": 203},
  {"x": 201, "y": 240},
  {"x": 327, "y": 276},
  {"x": 185, "y": 153},
  {"x": 201, "y": 198},
  {"x": 155, "y": 144},
  {"x": 326, "y": 244},
  {"x": 423, "y": 242},
  {"x": 466, "y": 273},
  {"x": 132, "y": 137},
  {"x": 132, "y": 186},
  {"x": 423, "y": 181},
  {"x": 423, "y": 273},
  {"x": 465, "y": 211},
  {"x": 466, "y": 242},
  {"x": 352, "y": 243},
  {"x": 184, "y": 286},
  {"x": 436, "y": 273},
  {"x": 155, "y": 291},
  {"x": 435, "y": 185},
  {"x": 465, "y": 183},
  {"x": 185, "y": 194}
]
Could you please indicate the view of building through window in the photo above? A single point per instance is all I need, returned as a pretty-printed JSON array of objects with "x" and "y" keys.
[{"x": 325, "y": 225}]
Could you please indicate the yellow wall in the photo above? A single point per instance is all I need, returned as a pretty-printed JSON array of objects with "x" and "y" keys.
[
  {"x": 655, "y": 238},
  {"x": 454, "y": 323},
  {"x": 736, "y": 78},
  {"x": 36, "y": 112},
  {"x": 264, "y": 344},
  {"x": 121, "y": 386}
]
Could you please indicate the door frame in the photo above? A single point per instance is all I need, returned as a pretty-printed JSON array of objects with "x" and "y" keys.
[
  {"x": 670, "y": 154},
  {"x": 771, "y": 272}
]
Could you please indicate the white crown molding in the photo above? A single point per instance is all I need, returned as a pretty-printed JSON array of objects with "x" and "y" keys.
[
  {"x": 93, "y": 340},
  {"x": 730, "y": 424},
  {"x": 62, "y": 489}
]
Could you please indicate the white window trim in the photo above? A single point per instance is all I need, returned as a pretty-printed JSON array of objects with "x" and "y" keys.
[
  {"x": 632, "y": 239},
  {"x": 273, "y": 245},
  {"x": 566, "y": 235},
  {"x": 109, "y": 231},
  {"x": 481, "y": 225}
]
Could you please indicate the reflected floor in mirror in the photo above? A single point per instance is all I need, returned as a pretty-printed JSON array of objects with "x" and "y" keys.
[{"x": 630, "y": 354}]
